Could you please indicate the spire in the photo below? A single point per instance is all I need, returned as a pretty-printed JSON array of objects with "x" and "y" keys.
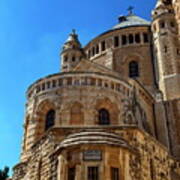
[{"x": 72, "y": 52}]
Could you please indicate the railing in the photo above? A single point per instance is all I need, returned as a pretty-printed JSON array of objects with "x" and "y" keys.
[{"x": 80, "y": 79}]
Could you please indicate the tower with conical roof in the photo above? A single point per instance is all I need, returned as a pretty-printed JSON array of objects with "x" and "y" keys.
[{"x": 72, "y": 52}]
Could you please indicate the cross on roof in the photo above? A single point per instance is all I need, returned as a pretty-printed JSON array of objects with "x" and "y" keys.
[
  {"x": 130, "y": 10},
  {"x": 73, "y": 31}
]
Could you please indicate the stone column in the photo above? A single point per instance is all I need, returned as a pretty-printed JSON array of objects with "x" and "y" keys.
[
  {"x": 61, "y": 168},
  {"x": 78, "y": 172}
]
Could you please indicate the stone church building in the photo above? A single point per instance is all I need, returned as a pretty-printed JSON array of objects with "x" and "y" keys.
[{"x": 113, "y": 112}]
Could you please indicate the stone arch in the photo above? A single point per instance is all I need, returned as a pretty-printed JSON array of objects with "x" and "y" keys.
[
  {"x": 112, "y": 109},
  {"x": 41, "y": 111},
  {"x": 76, "y": 114},
  {"x": 132, "y": 56}
]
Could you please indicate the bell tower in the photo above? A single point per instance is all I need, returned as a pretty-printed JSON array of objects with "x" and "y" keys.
[
  {"x": 72, "y": 52},
  {"x": 166, "y": 49}
]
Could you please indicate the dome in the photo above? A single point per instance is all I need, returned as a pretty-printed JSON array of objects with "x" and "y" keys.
[{"x": 131, "y": 20}]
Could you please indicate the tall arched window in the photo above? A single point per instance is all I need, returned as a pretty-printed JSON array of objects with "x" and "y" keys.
[
  {"x": 133, "y": 69},
  {"x": 50, "y": 118},
  {"x": 104, "y": 117}
]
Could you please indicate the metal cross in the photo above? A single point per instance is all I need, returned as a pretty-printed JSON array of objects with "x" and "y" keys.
[
  {"x": 74, "y": 31},
  {"x": 130, "y": 10}
]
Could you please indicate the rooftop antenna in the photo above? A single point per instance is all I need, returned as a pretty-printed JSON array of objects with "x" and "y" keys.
[{"x": 130, "y": 10}]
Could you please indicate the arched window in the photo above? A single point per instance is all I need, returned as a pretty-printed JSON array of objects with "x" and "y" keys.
[
  {"x": 104, "y": 118},
  {"x": 50, "y": 117},
  {"x": 133, "y": 69}
]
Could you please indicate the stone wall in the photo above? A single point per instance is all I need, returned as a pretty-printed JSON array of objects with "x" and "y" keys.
[{"x": 136, "y": 154}]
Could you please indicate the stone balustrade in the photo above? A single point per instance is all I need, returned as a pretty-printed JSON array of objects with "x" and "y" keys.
[{"x": 61, "y": 80}]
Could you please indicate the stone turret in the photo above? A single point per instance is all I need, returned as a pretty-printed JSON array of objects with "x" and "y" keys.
[
  {"x": 176, "y": 5},
  {"x": 72, "y": 52},
  {"x": 166, "y": 47}
]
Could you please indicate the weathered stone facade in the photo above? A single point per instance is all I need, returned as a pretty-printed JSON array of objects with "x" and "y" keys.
[{"x": 113, "y": 113}]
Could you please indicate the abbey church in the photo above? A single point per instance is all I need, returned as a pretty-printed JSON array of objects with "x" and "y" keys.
[{"x": 113, "y": 112}]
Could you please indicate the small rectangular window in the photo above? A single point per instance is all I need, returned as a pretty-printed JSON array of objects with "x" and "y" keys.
[
  {"x": 60, "y": 82},
  {"x": 65, "y": 58},
  {"x": 69, "y": 81},
  {"x": 73, "y": 59},
  {"x": 146, "y": 38},
  {"x": 124, "y": 40},
  {"x": 162, "y": 24},
  {"x": 97, "y": 49},
  {"x": 114, "y": 173},
  {"x": 43, "y": 86},
  {"x": 54, "y": 83},
  {"x": 89, "y": 54},
  {"x": 172, "y": 24},
  {"x": 178, "y": 51},
  {"x": 99, "y": 82},
  {"x": 112, "y": 86},
  {"x": 131, "y": 39},
  {"x": 165, "y": 49},
  {"x": 103, "y": 46},
  {"x": 71, "y": 173},
  {"x": 93, "y": 51},
  {"x": 137, "y": 38},
  {"x": 38, "y": 89},
  {"x": 116, "y": 41},
  {"x": 92, "y": 82},
  {"x": 93, "y": 173},
  {"x": 48, "y": 84}
]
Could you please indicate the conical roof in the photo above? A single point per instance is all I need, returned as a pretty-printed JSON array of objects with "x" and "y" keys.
[
  {"x": 72, "y": 42},
  {"x": 73, "y": 37}
]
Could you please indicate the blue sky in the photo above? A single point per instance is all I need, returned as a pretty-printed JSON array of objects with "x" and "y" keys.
[{"x": 31, "y": 35}]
